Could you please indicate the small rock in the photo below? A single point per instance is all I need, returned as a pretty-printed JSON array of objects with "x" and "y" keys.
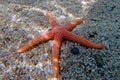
[
  {"x": 74, "y": 50},
  {"x": 99, "y": 60}
]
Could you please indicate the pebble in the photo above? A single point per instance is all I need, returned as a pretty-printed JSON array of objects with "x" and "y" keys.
[
  {"x": 99, "y": 60},
  {"x": 74, "y": 50}
]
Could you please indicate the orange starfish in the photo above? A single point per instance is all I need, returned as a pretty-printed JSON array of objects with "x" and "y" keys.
[{"x": 57, "y": 34}]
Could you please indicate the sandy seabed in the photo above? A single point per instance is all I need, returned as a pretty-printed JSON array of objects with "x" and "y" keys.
[{"x": 22, "y": 20}]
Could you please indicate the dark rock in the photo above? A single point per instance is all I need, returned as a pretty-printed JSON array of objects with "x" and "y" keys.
[
  {"x": 74, "y": 50},
  {"x": 92, "y": 35},
  {"x": 99, "y": 60}
]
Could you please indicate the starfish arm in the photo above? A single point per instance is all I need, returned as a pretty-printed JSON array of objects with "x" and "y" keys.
[
  {"x": 75, "y": 38},
  {"x": 55, "y": 56},
  {"x": 69, "y": 26},
  {"x": 38, "y": 39},
  {"x": 51, "y": 19}
]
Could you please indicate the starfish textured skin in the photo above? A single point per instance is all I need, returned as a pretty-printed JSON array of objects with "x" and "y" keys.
[{"x": 57, "y": 34}]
